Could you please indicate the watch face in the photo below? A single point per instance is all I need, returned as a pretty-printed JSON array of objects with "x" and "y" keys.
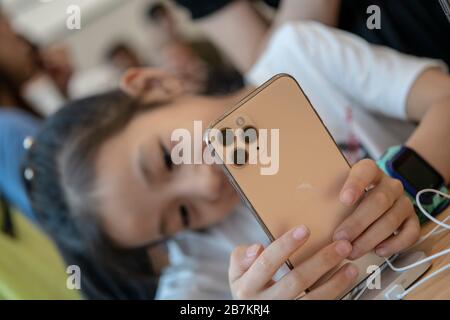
[{"x": 416, "y": 171}]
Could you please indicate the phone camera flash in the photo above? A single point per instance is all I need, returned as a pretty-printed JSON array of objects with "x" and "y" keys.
[{"x": 240, "y": 121}]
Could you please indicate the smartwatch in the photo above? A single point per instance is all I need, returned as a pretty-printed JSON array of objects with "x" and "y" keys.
[{"x": 416, "y": 174}]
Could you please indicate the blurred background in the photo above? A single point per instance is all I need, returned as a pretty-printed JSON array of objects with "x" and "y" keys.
[
  {"x": 104, "y": 23},
  {"x": 114, "y": 36},
  {"x": 43, "y": 65}
]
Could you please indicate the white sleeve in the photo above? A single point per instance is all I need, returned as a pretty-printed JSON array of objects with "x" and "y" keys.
[
  {"x": 375, "y": 77},
  {"x": 183, "y": 283},
  {"x": 199, "y": 260},
  {"x": 195, "y": 274}
]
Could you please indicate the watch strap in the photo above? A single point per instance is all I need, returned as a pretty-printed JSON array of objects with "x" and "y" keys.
[{"x": 438, "y": 203}]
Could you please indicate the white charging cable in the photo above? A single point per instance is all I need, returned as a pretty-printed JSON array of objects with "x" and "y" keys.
[
  {"x": 417, "y": 263},
  {"x": 433, "y": 232},
  {"x": 397, "y": 292},
  {"x": 425, "y": 213}
]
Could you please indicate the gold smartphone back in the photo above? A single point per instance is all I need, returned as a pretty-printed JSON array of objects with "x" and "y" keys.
[{"x": 311, "y": 171}]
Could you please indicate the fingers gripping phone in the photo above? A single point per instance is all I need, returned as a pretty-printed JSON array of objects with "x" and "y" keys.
[{"x": 276, "y": 122}]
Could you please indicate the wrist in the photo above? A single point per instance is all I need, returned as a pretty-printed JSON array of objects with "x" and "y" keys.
[{"x": 404, "y": 164}]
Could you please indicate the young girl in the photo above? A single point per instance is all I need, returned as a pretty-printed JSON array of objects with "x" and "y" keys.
[{"x": 102, "y": 166}]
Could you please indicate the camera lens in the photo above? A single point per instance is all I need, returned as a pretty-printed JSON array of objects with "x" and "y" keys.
[
  {"x": 240, "y": 157},
  {"x": 250, "y": 134},
  {"x": 226, "y": 136}
]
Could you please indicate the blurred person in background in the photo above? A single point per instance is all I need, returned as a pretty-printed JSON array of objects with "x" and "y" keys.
[
  {"x": 222, "y": 20},
  {"x": 159, "y": 14},
  {"x": 58, "y": 64},
  {"x": 34, "y": 83},
  {"x": 25, "y": 81},
  {"x": 105, "y": 76},
  {"x": 194, "y": 60},
  {"x": 17, "y": 66},
  {"x": 123, "y": 57},
  {"x": 41, "y": 80},
  {"x": 416, "y": 27}
]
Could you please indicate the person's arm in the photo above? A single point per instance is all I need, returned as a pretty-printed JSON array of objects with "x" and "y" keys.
[
  {"x": 397, "y": 85},
  {"x": 237, "y": 29},
  {"x": 324, "y": 11},
  {"x": 378, "y": 79},
  {"x": 429, "y": 103}
]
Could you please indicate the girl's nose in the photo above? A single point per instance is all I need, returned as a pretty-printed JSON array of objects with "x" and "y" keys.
[
  {"x": 203, "y": 182},
  {"x": 210, "y": 181}
]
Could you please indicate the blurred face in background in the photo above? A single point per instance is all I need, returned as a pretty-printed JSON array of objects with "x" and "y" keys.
[
  {"x": 180, "y": 60},
  {"x": 18, "y": 60},
  {"x": 125, "y": 59},
  {"x": 164, "y": 19},
  {"x": 58, "y": 65}
]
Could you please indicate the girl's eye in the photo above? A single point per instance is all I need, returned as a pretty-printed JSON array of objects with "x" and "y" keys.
[
  {"x": 167, "y": 158},
  {"x": 184, "y": 214}
]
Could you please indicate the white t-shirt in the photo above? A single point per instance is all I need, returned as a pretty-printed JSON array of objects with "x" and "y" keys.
[{"x": 337, "y": 71}]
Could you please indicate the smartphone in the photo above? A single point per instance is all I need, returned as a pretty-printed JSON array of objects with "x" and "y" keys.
[{"x": 277, "y": 122}]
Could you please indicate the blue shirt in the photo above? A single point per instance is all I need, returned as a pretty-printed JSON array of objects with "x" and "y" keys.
[{"x": 15, "y": 126}]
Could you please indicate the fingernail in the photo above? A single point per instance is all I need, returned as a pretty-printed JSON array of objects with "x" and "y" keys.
[
  {"x": 252, "y": 251},
  {"x": 381, "y": 251},
  {"x": 343, "y": 248},
  {"x": 351, "y": 272},
  {"x": 348, "y": 197},
  {"x": 300, "y": 233},
  {"x": 341, "y": 235}
]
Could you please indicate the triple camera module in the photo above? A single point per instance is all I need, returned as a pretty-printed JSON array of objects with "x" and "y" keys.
[{"x": 229, "y": 137}]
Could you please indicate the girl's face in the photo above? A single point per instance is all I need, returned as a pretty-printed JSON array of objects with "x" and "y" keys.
[{"x": 143, "y": 196}]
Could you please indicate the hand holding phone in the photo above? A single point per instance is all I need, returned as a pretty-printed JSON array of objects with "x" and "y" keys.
[
  {"x": 253, "y": 267},
  {"x": 383, "y": 219},
  {"x": 313, "y": 184}
]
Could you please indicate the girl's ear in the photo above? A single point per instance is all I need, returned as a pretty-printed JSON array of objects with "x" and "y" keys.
[{"x": 151, "y": 85}]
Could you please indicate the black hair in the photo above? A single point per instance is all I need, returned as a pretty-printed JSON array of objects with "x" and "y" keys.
[
  {"x": 117, "y": 48},
  {"x": 7, "y": 221},
  {"x": 61, "y": 160},
  {"x": 156, "y": 11}
]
